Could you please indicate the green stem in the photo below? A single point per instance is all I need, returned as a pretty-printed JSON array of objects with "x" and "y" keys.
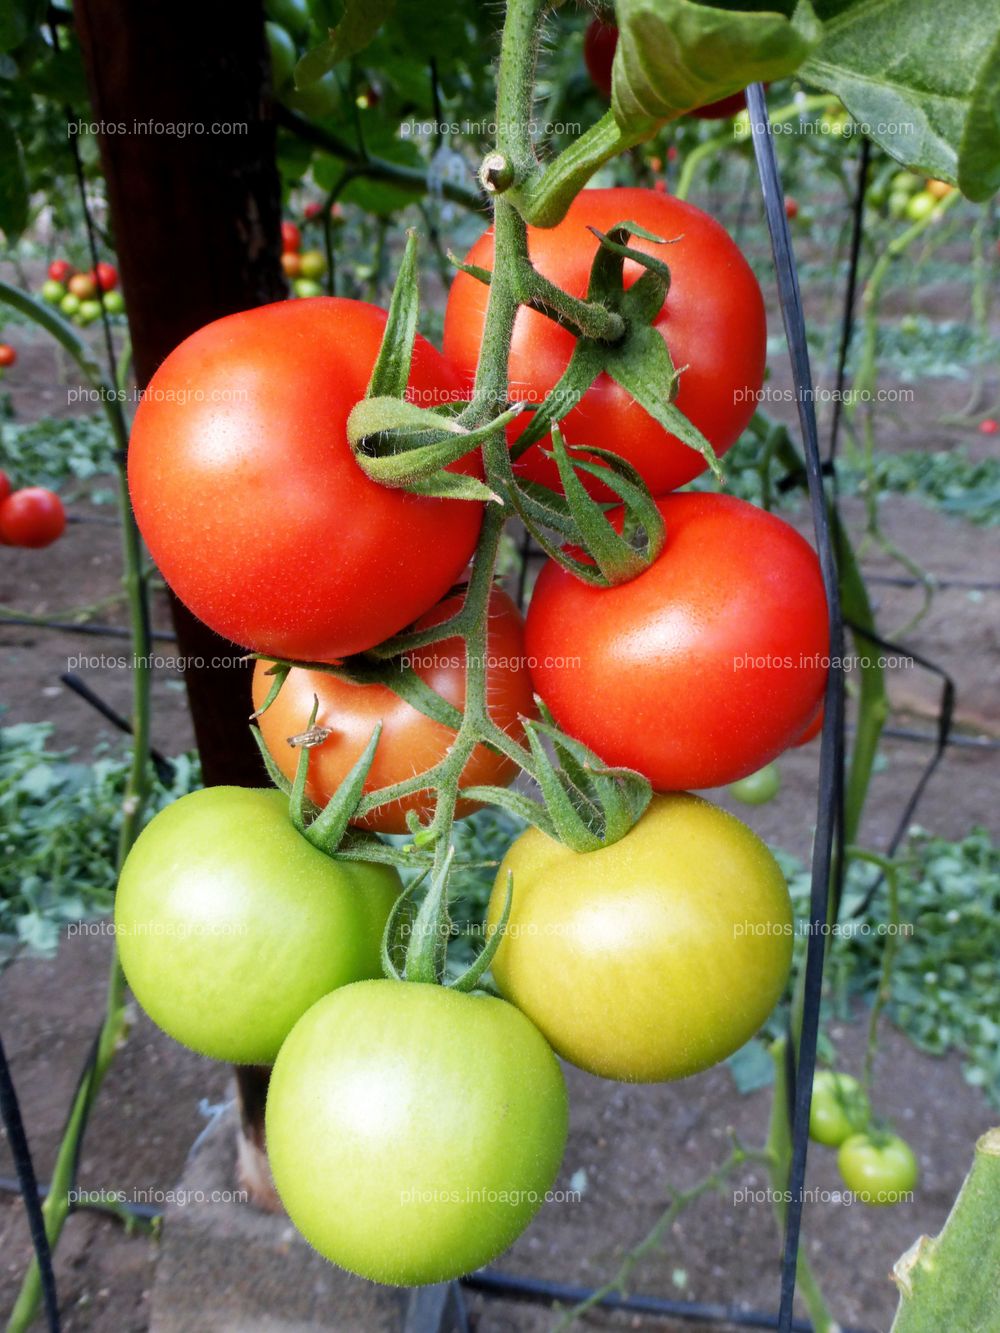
[
  {"x": 56, "y": 1206},
  {"x": 890, "y": 870}
]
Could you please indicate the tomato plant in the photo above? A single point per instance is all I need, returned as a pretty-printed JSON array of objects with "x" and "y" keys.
[
  {"x": 839, "y": 1108},
  {"x": 879, "y": 1168},
  {"x": 653, "y": 958},
  {"x": 411, "y": 741},
  {"x": 705, "y": 667},
  {"x": 33, "y": 517},
  {"x": 242, "y": 478},
  {"x": 712, "y": 321},
  {"x": 230, "y": 924},
  {"x": 413, "y": 1131}
]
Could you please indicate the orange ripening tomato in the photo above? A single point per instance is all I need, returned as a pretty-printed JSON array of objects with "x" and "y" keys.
[
  {"x": 712, "y": 321},
  {"x": 410, "y": 742}
]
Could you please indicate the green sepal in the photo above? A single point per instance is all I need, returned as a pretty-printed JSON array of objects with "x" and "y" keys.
[
  {"x": 279, "y": 671},
  {"x": 427, "y": 951},
  {"x": 297, "y": 795},
  {"x": 514, "y": 802},
  {"x": 330, "y": 825},
  {"x": 391, "y": 372},
  {"x": 363, "y": 845},
  {"x": 468, "y": 979},
  {"x": 585, "y": 365},
  {"x": 590, "y": 804},
  {"x": 607, "y": 273},
  {"x": 476, "y": 271},
  {"x": 397, "y": 927}
]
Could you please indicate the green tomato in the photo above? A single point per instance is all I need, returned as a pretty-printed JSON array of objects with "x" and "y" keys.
[
  {"x": 306, "y": 287},
  {"x": 413, "y": 1131},
  {"x": 920, "y": 206},
  {"x": 878, "y": 1168},
  {"x": 53, "y": 292},
  {"x": 652, "y": 958},
  {"x": 291, "y": 14},
  {"x": 70, "y": 304},
  {"x": 839, "y": 1108},
  {"x": 89, "y": 311},
  {"x": 757, "y": 788},
  {"x": 320, "y": 99},
  {"x": 114, "y": 303},
  {"x": 898, "y": 204},
  {"x": 231, "y": 924},
  {"x": 283, "y": 55},
  {"x": 312, "y": 264},
  {"x": 905, "y": 182}
]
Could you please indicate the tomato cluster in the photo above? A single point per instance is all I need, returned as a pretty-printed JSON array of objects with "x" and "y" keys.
[
  {"x": 301, "y": 267},
  {"x": 413, "y": 1127},
  {"x": 876, "y": 1165},
  {"x": 81, "y": 296}
]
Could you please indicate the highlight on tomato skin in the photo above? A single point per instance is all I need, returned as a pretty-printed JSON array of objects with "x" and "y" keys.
[
  {"x": 250, "y": 499},
  {"x": 410, "y": 741},
  {"x": 713, "y": 322},
  {"x": 702, "y": 669}
]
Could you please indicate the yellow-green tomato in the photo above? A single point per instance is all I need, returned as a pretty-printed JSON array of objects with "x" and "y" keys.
[
  {"x": 312, "y": 264},
  {"x": 879, "y": 1168},
  {"x": 757, "y": 788},
  {"x": 231, "y": 924},
  {"x": 653, "y": 958},
  {"x": 413, "y": 1131},
  {"x": 839, "y": 1108}
]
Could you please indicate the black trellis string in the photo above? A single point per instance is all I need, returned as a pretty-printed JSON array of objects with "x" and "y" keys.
[
  {"x": 832, "y": 751},
  {"x": 28, "y": 1184},
  {"x": 847, "y": 324}
]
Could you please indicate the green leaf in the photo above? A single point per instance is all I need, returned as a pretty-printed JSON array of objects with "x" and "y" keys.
[
  {"x": 675, "y": 54},
  {"x": 362, "y": 20},
  {"x": 18, "y": 19},
  {"x": 922, "y": 77},
  {"x": 13, "y": 183}
]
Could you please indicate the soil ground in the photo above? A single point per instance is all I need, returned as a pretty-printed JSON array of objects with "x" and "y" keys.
[{"x": 629, "y": 1145}]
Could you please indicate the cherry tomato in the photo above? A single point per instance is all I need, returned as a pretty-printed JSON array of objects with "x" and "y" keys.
[
  {"x": 705, "y": 667},
  {"x": 283, "y": 55},
  {"x": 313, "y": 264},
  {"x": 320, "y": 99},
  {"x": 599, "y": 44},
  {"x": 757, "y": 788},
  {"x": 88, "y": 311},
  {"x": 306, "y": 287},
  {"x": 791, "y": 208},
  {"x": 231, "y": 924},
  {"x": 989, "y": 426},
  {"x": 878, "y": 1168},
  {"x": 83, "y": 285},
  {"x": 653, "y": 958},
  {"x": 52, "y": 291},
  {"x": 312, "y": 210},
  {"x": 712, "y": 320},
  {"x": 8, "y": 355},
  {"x": 939, "y": 189},
  {"x": 60, "y": 270},
  {"x": 105, "y": 277},
  {"x": 291, "y": 238},
  {"x": 920, "y": 206},
  {"x": 114, "y": 303},
  {"x": 413, "y": 1131},
  {"x": 251, "y": 501},
  {"x": 839, "y": 1108},
  {"x": 33, "y": 517},
  {"x": 291, "y": 263},
  {"x": 70, "y": 304},
  {"x": 410, "y": 742},
  {"x": 291, "y": 14}
]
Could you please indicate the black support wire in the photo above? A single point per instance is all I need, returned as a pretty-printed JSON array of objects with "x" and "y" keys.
[{"x": 827, "y": 853}]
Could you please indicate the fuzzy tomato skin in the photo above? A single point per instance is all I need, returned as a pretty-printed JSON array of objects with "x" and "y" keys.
[
  {"x": 253, "y": 505},
  {"x": 712, "y": 320},
  {"x": 410, "y": 742},
  {"x": 653, "y": 958},
  {"x": 412, "y": 1130},
  {"x": 231, "y": 924},
  {"x": 705, "y": 667}
]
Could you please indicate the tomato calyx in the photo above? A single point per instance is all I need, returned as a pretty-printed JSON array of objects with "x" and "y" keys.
[{"x": 415, "y": 944}]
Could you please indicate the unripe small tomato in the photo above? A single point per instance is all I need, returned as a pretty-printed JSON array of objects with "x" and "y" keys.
[
  {"x": 114, "y": 303},
  {"x": 313, "y": 264},
  {"x": 305, "y": 287},
  {"x": 879, "y": 1169},
  {"x": 281, "y": 49},
  {"x": 757, "y": 788},
  {"x": 70, "y": 304},
  {"x": 839, "y": 1108},
  {"x": 89, "y": 311},
  {"x": 920, "y": 206},
  {"x": 53, "y": 291}
]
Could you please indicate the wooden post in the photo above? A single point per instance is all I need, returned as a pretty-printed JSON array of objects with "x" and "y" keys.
[{"x": 180, "y": 91}]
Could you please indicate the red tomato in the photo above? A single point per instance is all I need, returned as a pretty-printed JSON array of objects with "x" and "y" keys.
[
  {"x": 250, "y": 499},
  {"x": 60, "y": 270},
  {"x": 291, "y": 238},
  {"x": 410, "y": 742},
  {"x": 312, "y": 210},
  {"x": 106, "y": 277},
  {"x": 989, "y": 426},
  {"x": 812, "y": 730},
  {"x": 705, "y": 667},
  {"x": 4, "y": 486},
  {"x": 791, "y": 208},
  {"x": 723, "y": 108},
  {"x": 7, "y": 355},
  {"x": 33, "y": 517},
  {"x": 599, "y": 43},
  {"x": 712, "y": 320}
]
